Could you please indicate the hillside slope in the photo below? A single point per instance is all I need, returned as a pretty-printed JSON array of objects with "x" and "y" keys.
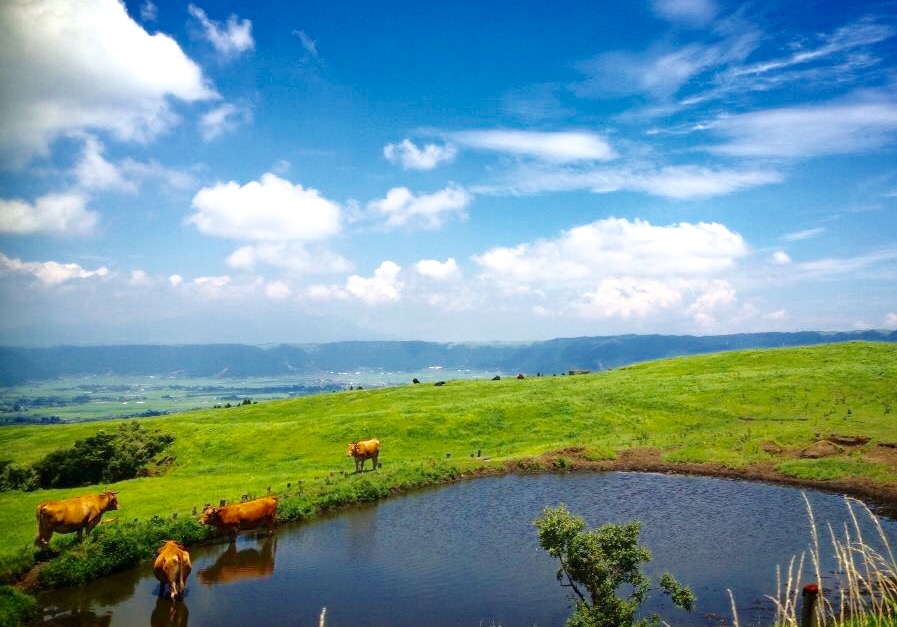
[{"x": 751, "y": 411}]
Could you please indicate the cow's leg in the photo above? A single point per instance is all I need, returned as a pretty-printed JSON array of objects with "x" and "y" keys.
[
  {"x": 161, "y": 589},
  {"x": 81, "y": 534},
  {"x": 374, "y": 460}
]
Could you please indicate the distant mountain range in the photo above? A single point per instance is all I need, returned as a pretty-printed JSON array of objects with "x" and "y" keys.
[{"x": 20, "y": 365}]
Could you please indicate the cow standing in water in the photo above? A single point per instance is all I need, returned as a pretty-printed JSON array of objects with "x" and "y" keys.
[
  {"x": 172, "y": 567},
  {"x": 238, "y": 516},
  {"x": 366, "y": 449},
  {"x": 77, "y": 514}
]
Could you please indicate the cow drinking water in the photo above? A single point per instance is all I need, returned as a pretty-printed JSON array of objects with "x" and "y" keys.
[
  {"x": 76, "y": 514},
  {"x": 366, "y": 449},
  {"x": 171, "y": 568}
]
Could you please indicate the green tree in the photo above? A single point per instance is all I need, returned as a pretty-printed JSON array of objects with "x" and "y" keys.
[{"x": 601, "y": 566}]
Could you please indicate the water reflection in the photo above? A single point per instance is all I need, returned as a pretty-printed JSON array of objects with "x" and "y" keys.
[
  {"x": 169, "y": 614},
  {"x": 467, "y": 554},
  {"x": 78, "y": 618},
  {"x": 234, "y": 565}
]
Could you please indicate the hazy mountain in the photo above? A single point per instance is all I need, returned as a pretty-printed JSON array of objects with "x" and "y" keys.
[{"x": 18, "y": 365}]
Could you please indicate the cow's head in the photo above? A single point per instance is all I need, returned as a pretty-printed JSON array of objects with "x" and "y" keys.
[
  {"x": 209, "y": 515},
  {"x": 351, "y": 450},
  {"x": 111, "y": 500}
]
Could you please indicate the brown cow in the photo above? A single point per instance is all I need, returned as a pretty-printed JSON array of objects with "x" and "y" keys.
[
  {"x": 77, "y": 514},
  {"x": 366, "y": 449},
  {"x": 237, "y": 516},
  {"x": 172, "y": 567}
]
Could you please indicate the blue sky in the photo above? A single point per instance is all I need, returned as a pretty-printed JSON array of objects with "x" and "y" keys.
[{"x": 458, "y": 171}]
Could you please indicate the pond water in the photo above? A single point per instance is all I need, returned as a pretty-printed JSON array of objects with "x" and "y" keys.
[{"x": 467, "y": 554}]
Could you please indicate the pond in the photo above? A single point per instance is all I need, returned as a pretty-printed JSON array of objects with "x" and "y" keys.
[{"x": 467, "y": 554}]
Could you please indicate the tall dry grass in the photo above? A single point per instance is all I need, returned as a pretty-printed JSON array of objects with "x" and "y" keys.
[{"x": 863, "y": 588}]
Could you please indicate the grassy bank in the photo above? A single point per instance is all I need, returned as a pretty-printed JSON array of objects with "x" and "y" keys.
[{"x": 754, "y": 412}]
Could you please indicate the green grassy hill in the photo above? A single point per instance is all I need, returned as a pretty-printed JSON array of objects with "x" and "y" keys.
[{"x": 742, "y": 410}]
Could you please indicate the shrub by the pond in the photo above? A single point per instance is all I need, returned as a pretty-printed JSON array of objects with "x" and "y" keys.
[
  {"x": 597, "y": 564},
  {"x": 15, "y": 607},
  {"x": 116, "y": 547}
]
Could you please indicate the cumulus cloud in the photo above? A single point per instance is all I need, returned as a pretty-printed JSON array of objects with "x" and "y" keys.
[
  {"x": 49, "y": 272},
  {"x": 383, "y": 287},
  {"x": 438, "y": 270},
  {"x": 891, "y": 320},
  {"x": 556, "y": 147},
  {"x": 223, "y": 119},
  {"x": 626, "y": 297},
  {"x": 402, "y": 208},
  {"x": 294, "y": 258},
  {"x": 98, "y": 70},
  {"x": 54, "y": 214},
  {"x": 810, "y": 130},
  {"x": 231, "y": 40},
  {"x": 413, "y": 158},
  {"x": 271, "y": 209},
  {"x": 93, "y": 171},
  {"x": 616, "y": 247}
]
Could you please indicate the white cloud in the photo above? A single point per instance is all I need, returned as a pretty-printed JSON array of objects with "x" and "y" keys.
[
  {"x": 716, "y": 295},
  {"x": 277, "y": 290},
  {"x": 557, "y": 147},
  {"x": 696, "y": 12},
  {"x": 49, "y": 272},
  {"x": 862, "y": 33},
  {"x": 626, "y": 297},
  {"x": 833, "y": 266},
  {"x": 810, "y": 130},
  {"x": 294, "y": 258},
  {"x": 139, "y": 277},
  {"x": 98, "y": 70},
  {"x": 94, "y": 172},
  {"x": 798, "y": 236},
  {"x": 55, "y": 214},
  {"x": 891, "y": 320},
  {"x": 685, "y": 182},
  {"x": 271, "y": 209},
  {"x": 780, "y": 258},
  {"x": 413, "y": 158},
  {"x": 175, "y": 279},
  {"x": 326, "y": 292},
  {"x": 616, "y": 247},
  {"x": 779, "y": 314},
  {"x": 381, "y": 288},
  {"x": 224, "y": 118},
  {"x": 660, "y": 72},
  {"x": 229, "y": 41},
  {"x": 438, "y": 270},
  {"x": 308, "y": 43},
  {"x": 149, "y": 11},
  {"x": 401, "y": 207},
  {"x": 678, "y": 182}
]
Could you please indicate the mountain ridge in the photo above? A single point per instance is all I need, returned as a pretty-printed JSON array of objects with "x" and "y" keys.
[{"x": 22, "y": 364}]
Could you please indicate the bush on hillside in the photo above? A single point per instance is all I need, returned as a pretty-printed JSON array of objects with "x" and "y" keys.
[{"x": 101, "y": 458}]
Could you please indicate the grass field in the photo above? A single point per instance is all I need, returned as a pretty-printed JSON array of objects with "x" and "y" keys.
[{"x": 723, "y": 408}]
